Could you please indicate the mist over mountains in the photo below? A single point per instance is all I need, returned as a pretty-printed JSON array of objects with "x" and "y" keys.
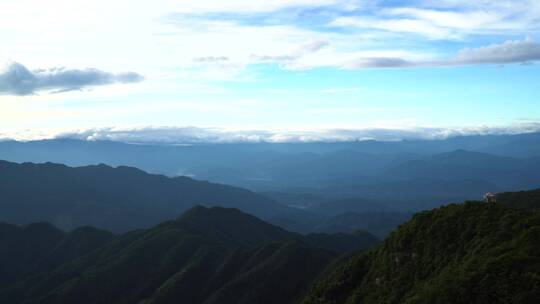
[{"x": 425, "y": 173}]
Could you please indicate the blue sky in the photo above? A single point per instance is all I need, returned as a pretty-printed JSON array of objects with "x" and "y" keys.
[{"x": 268, "y": 70}]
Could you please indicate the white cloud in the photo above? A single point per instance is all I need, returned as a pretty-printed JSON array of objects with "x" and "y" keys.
[
  {"x": 16, "y": 79},
  {"x": 461, "y": 23},
  {"x": 410, "y": 26},
  {"x": 297, "y": 48},
  {"x": 452, "y": 20},
  {"x": 197, "y": 41}
]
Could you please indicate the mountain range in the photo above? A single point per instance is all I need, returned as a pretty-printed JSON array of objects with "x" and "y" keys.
[
  {"x": 117, "y": 199},
  {"x": 407, "y": 176},
  {"x": 474, "y": 252},
  {"x": 307, "y": 223},
  {"x": 124, "y": 198}
]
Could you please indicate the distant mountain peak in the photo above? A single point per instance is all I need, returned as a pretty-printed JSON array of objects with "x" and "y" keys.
[{"x": 230, "y": 225}]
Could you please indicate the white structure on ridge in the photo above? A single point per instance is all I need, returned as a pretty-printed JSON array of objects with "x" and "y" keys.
[{"x": 490, "y": 197}]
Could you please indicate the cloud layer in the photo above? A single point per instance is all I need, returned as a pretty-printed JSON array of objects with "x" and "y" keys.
[
  {"x": 16, "y": 79},
  {"x": 197, "y": 135}
]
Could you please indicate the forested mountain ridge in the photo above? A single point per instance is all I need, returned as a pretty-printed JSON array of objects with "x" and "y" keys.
[
  {"x": 474, "y": 252},
  {"x": 207, "y": 255},
  {"x": 468, "y": 253}
]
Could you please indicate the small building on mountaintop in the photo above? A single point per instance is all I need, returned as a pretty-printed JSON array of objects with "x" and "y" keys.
[{"x": 490, "y": 197}]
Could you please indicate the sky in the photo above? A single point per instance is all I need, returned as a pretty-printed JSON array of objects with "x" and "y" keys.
[{"x": 285, "y": 70}]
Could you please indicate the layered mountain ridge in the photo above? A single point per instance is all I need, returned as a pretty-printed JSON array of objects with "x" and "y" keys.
[{"x": 207, "y": 255}]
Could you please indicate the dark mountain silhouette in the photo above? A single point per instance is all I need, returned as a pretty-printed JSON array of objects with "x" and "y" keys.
[
  {"x": 214, "y": 255},
  {"x": 42, "y": 247},
  {"x": 117, "y": 199},
  {"x": 124, "y": 198},
  {"x": 230, "y": 226}
]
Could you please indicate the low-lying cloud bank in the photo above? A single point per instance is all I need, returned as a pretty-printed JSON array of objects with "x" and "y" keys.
[
  {"x": 18, "y": 80},
  {"x": 196, "y": 135}
]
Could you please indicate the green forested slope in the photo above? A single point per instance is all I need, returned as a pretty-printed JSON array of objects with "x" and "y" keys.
[{"x": 470, "y": 253}]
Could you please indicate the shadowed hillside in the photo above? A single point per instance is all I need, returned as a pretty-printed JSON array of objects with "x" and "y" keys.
[
  {"x": 462, "y": 253},
  {"x": 116, "y": 199},
  {"x": 42, "y": 247},
  {"x": 212, "y": 255}
]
